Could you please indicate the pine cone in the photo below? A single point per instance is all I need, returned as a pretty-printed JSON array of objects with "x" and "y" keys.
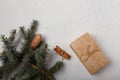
[{"x": 36, "y": 41}]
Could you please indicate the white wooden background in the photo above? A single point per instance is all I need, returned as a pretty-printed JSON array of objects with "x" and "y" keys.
[{"x": 62, "y": 21}]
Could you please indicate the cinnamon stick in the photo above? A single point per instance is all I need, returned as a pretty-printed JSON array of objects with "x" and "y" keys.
[{"x": 62, "y": 53}]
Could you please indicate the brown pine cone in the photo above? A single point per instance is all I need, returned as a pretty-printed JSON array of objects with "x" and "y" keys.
[{"x": 36, "y": 41}]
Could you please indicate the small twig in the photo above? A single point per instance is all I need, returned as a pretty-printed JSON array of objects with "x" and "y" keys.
[{"x": 42, "y": 71}]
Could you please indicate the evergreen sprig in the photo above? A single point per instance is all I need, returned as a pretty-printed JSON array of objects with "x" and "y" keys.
[{"x": 25, "y": 63}]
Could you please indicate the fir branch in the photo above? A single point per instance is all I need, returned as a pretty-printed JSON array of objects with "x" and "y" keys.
[
  {"x": 6, "y": 69},
  {"x": 56, "y": 67},
  {"x": 24, "y": 72},
  {"x": 22, "y": 32},
  {"x": 31, "y": 31},
  {"x": 8, "y": 57},
  {"x": 30, "y": 64},
  {"x": 12, "y": 36},
  {"x": 3, "y": 57},
  {"x": 40, "y": 54},
  {"x": 8, "y": 41},
  {"x": 5, "y": 40},
  {"x": 43, "y": 72},
  {"x": 34, "y": 25},
  {"x": 28, "y": 35}
]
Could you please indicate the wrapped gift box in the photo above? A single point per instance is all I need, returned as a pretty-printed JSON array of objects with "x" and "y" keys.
[{"x": 89, "y": 53}]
